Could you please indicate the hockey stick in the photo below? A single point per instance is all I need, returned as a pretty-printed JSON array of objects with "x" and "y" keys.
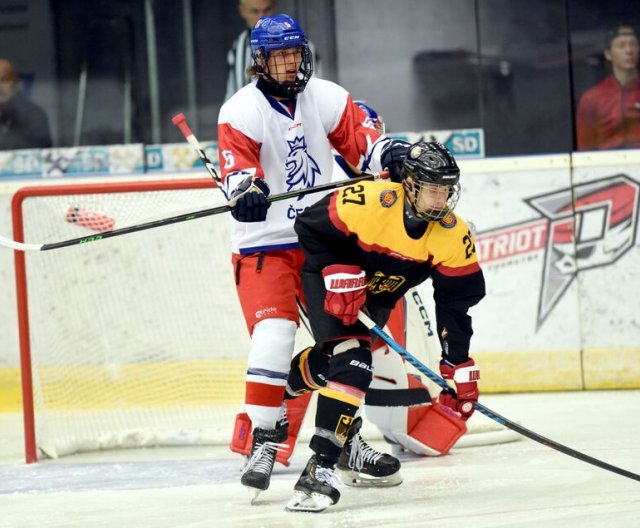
[
  {"x": 19, "y": 246},
  {"x": 488, "y": 412},
  {"x": 181, "y": 122}
]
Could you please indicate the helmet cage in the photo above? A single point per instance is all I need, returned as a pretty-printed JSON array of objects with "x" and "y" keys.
[
  {"x": 288, "y": 88},
  {"x": 413, "y": 189}
]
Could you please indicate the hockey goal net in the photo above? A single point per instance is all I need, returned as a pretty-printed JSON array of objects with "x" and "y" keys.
[{"x": 135, "y": 340}]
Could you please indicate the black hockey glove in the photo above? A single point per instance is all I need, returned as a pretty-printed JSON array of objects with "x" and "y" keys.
[
  {"x": 392, "y": 158},
  {"x": 250, "y": 200}
]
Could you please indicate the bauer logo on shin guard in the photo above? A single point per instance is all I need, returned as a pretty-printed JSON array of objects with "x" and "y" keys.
[{"x": 361, "y": 364}]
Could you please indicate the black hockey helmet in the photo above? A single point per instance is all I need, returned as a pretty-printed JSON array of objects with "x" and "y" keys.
[{"x": 430, "y": 166}]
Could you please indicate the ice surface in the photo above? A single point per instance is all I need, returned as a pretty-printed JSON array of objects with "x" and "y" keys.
[{"x": 518, "y": 484}]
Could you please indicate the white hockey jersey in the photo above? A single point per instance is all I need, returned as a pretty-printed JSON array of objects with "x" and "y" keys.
[{"x": 289, "y": 145}]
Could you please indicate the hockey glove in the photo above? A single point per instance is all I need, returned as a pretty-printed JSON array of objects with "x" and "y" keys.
[
  {"x": 346, "y": 291},
  {"x": 466, "y": 376},
  {"x": 250, "y": 200},
  {"x": 392, "y": 158}
]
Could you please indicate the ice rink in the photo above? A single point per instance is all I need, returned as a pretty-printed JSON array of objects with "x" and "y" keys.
[{"x": 516, "y": 484}]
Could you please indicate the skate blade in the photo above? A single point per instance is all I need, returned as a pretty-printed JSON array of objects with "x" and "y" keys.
[
  {"x": 301, "y": 502},
  {"x": 360, "y": 480},
  {"x": 254, "y": 493}
]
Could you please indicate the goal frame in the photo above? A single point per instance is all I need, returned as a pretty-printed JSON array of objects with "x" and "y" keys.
[{"x": 26, "y": 373}]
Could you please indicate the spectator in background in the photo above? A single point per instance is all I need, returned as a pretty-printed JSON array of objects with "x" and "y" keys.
[
  {"x": 608, "y": 115},
  {"x": 23, "y": 124},
  {"x": 239, "y": 56}
]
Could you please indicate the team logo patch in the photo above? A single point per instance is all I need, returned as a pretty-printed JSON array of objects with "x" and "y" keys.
[
  {"x": 388, "y": 198},
  {"x": 415, "y": 152},
  {"x": 449, "y": 221},
  {"x": 380, "y": 282},
  {"x": 342, "y": 429}
]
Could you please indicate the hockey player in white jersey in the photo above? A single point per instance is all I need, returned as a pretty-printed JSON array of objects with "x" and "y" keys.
[{"x": 277, "y": 135}]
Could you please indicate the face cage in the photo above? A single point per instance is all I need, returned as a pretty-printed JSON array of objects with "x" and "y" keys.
[
  {"x": 413, "y": 190},
  {"x": 287, "y": 89}
]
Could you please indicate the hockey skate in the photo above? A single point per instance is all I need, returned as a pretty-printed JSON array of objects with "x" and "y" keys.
[
  {"x": 316, "y": 488},
  {"x": 256, "y": 475},
  {"x": 363, "y": 466}
]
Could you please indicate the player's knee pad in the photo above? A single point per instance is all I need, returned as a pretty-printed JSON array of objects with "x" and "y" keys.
[
  {"x": 308, "y": 371},
  {"x": 272, "y": 344},
  {"x": 351, "y": 366}
]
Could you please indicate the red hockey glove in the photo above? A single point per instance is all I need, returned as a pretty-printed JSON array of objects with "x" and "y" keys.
[
  {"x": 346, "y": 291},
  {"x": 466, "y": 376}
]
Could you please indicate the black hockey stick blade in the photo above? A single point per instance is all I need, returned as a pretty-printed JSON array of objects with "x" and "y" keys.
[
  {"x": 20, "y": 246},
  {"x": 369, "y": 323}
]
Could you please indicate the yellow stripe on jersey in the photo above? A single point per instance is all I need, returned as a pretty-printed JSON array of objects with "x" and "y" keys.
[{"x": 374, "y": 212}]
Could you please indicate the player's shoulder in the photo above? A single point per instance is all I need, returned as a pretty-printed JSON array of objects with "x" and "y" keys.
[
  {"x": 323, "y": 89},
  {"x": 451, "y": 224},
  {"x": 373, "y": 186},
  {"x": 316, "y": 83},
  {"x": 241, "y": 104},
  {"x": 376, "y": 193}
]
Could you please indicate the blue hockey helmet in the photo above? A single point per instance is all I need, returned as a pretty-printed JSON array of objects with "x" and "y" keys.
[
  {"x": 376, "y": 119},
  {"x": 280, "y": 32}
]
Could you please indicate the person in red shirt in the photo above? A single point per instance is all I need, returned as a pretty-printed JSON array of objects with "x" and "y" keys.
[{"x": 608, "y": 115}]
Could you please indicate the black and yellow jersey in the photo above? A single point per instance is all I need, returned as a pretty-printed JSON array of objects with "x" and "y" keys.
[{"x": 364, "y": 224}]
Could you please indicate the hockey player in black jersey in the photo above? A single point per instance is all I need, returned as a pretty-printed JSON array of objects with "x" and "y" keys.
[{"x": 365, "y": 246}]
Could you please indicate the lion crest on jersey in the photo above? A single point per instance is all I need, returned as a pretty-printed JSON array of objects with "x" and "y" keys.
[{"x": 301, "y": 168}]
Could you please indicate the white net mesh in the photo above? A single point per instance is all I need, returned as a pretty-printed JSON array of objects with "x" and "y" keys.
[{"x": 137, "y": 339}]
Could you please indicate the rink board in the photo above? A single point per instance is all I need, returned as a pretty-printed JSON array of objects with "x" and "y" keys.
[{"x": 557, "y": 238}]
